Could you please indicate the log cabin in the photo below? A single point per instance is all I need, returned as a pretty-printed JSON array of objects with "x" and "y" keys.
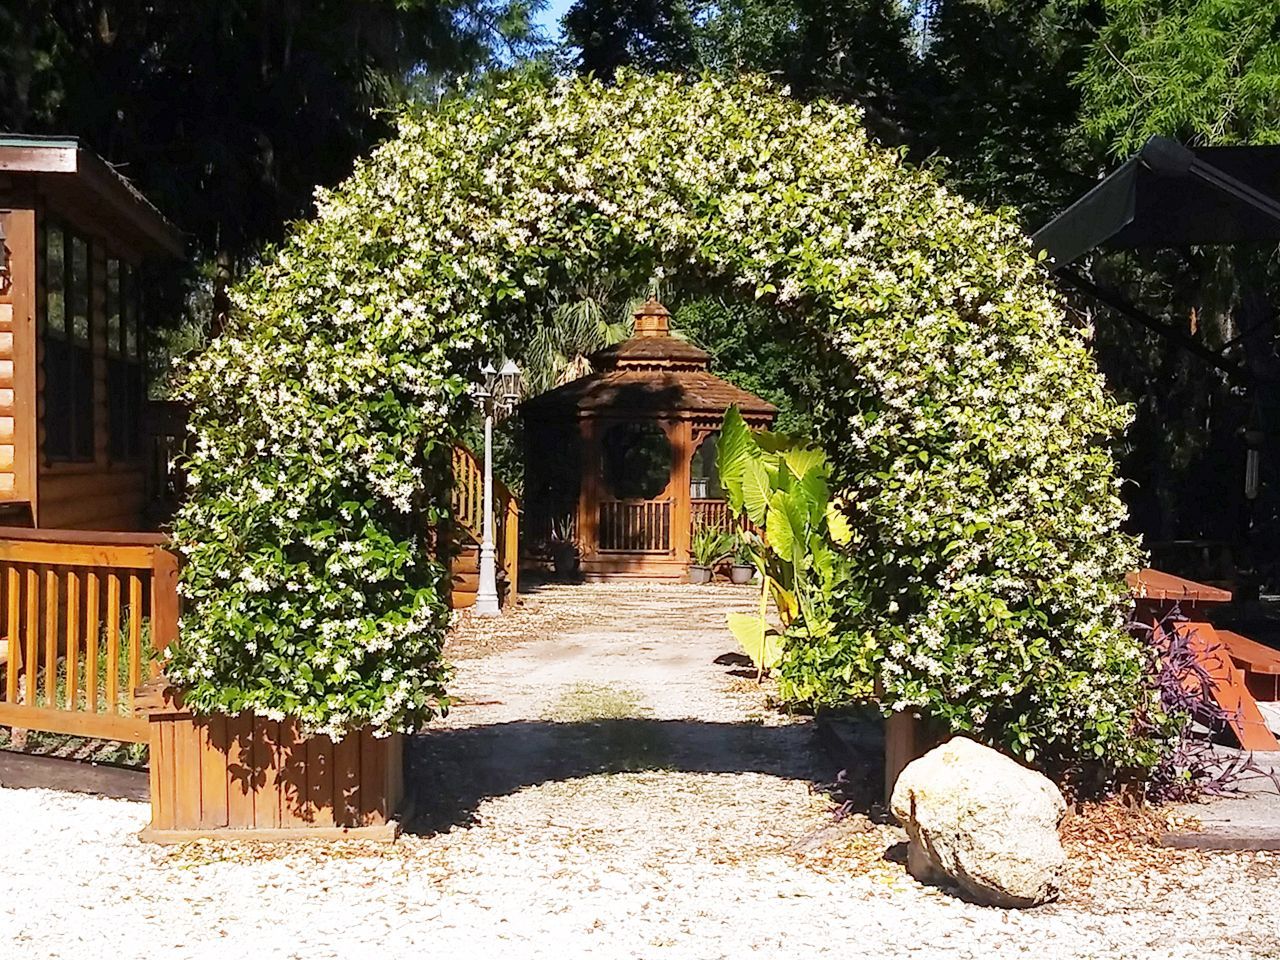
[{"x": 81, "y": 247}]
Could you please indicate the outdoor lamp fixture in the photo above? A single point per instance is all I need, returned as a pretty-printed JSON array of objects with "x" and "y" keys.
[
  {"x": 1252, "y": 463},
  {"x": 499, "y": 393}
]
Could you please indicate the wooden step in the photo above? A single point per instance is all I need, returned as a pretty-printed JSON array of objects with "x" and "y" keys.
[
  {"x": 1260, "y": 663},
  {"x": 460, "y": 600},
  {"x": 1228, "y": 687}
]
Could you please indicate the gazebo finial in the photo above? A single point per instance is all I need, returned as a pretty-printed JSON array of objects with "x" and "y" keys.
[{"x": 653, "y": 319}]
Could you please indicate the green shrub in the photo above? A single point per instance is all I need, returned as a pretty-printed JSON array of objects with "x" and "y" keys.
[
  {"x": 710, "y": 544},
  {"x": 964, "y": 418}
]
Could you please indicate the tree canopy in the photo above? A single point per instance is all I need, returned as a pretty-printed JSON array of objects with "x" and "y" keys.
[
  {"x": 1204, "y": 71},
  {"x": 227, "y": 115}
]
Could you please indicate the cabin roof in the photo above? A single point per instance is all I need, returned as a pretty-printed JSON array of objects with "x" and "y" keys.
[{"x": 86, "y": 180}]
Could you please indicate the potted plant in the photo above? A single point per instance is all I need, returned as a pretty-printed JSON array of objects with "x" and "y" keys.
[
  {"x": 709, "y": 545},
  {"x": 744, "y": 566},
  {"x": 564, "y": 546}
]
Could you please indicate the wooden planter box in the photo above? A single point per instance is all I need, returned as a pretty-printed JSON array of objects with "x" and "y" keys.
[{"x": 249, "y": 778}]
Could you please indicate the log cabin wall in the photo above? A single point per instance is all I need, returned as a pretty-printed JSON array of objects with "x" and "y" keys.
[
  {"x": 17, "y": 366},
  {"x": 72, "y": 383},
  {"x": 96, "y": 482}
]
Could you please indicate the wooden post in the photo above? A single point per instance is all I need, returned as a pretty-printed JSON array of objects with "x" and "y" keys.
[
  {"x": 20, "y": 237},
  {"x": 589, "y": 492},
  {"x": 681, "y": 434},
  {"x": 902, "y": 744},
  {"x": 511, "y": 551},
  {"x": 164, "y": 599}
]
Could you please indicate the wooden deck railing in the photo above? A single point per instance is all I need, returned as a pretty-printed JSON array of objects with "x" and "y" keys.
[
  {"x": 635, "y": 526},
  {"x": 468, "y": 511},
  {"x": 85, "y": 618}
]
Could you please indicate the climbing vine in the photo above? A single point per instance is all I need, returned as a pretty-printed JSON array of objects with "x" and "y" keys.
[{"x": 964, "y": 418}]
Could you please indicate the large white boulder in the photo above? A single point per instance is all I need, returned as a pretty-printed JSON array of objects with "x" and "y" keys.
[{"x": 983, "y": 822}]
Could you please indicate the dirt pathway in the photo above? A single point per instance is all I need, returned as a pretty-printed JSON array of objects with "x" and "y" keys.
[
  {"x": 592, "y": 679},
  {"x": 606, "y": 789}
]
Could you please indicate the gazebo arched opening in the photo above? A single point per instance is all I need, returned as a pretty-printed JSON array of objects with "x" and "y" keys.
[{"x": 620, "y": 464}]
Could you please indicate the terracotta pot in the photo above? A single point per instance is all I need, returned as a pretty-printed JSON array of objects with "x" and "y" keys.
[
  {"x": 249, "y": 778},
  {"x": 699, "y": 574},
  {"x": 742, "y": 573}
]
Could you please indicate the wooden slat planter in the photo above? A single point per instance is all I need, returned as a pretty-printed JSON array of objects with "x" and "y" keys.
[{"x": 249, "y": 778}]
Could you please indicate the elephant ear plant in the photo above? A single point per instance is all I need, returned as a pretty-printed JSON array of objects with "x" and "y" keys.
[{"x": 780, "y": 484}]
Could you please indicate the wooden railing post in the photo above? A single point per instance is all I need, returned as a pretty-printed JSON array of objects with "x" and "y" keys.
[
  {"x": 511, "y": 552},
  {"x": 164, "y": 603}
]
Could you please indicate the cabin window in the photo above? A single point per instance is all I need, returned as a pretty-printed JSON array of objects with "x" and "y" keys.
[
  {"x": 68, "y": 344},
  {"x": 123, "y": 307}
]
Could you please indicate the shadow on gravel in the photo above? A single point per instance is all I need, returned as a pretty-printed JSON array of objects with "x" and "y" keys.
[{"x": 450, "y": 772}]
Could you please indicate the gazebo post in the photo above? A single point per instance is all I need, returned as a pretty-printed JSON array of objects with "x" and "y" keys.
[
  {"x": 588, "y": 496},
  {"x": 682, "y": 508}
]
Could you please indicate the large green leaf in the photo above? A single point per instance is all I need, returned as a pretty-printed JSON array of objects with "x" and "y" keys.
[
  {"x": 838, "y": 526},
  {"x": 756, "y": 490},
  {"x": 761, "y": 644},
  {"x": 786, "y": 528},
  {"x": 811, "y": 491},
  {"x": 771, "y": 442},
  {"x": 734, "y": 450},
  {"x": 804, "y": 460}
]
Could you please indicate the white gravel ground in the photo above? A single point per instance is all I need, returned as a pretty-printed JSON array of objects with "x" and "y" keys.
[{"x": 648, "y": 832}]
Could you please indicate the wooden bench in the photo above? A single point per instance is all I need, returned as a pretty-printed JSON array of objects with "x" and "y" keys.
[
  {"x": 1228, "y": 686},
  {"x": 1260, "y": 663},
  {"x": 1156, "y": 595}
]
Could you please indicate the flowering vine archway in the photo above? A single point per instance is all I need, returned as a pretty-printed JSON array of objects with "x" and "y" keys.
[{"x": 963, "y": 412}]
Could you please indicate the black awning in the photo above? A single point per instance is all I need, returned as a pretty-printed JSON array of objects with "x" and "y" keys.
[{"x": 1173, "y": 196}]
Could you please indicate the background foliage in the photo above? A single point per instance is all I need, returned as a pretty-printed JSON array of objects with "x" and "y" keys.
[
  {"x": 1201, "y": 70},
  {"x": 227, "y": 115}
]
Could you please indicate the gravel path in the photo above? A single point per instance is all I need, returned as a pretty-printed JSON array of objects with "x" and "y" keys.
[{"x": 605, "y": 789}]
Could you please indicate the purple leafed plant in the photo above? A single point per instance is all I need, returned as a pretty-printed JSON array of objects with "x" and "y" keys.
[{"x": 1192, "y": 767}]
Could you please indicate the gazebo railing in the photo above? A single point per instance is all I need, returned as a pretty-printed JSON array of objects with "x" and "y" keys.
[
  {"x": 716, "y": 513},
  {"x": 635, "y": 526}
]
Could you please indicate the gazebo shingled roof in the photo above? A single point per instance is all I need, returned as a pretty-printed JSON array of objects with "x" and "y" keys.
[{"x": 652, "y": 372}]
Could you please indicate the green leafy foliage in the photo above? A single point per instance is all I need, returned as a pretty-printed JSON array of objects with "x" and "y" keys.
[
  {"x": 228, "y": 115},
  {"x": 742, "y": 337},
  {"x": 709, "y": 544},
  {"x": 800, "y": 566},
  {"x": 964, "y": 422},
  {"x": 1200, "y": 70}
]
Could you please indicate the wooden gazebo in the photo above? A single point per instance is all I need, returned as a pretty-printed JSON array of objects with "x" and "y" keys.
[{"x": 621, "y": 463}]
